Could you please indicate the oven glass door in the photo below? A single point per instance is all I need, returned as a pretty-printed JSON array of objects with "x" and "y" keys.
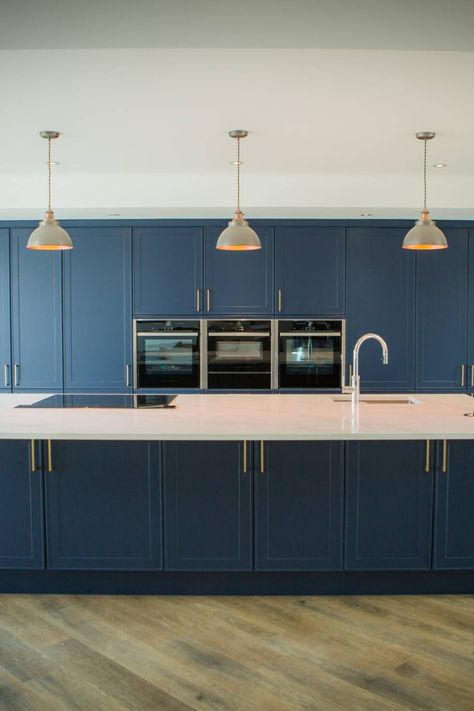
[
  {"x": 239, "y": 361},
  {"x": 168, "y": 360},
  {"x": 312, "y": 361}
]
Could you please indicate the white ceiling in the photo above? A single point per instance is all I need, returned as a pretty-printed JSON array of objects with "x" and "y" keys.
[{"x": 144, "y": 100}]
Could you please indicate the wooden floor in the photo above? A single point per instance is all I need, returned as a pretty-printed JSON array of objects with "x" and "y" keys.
[{"x": 324, "y": 653}]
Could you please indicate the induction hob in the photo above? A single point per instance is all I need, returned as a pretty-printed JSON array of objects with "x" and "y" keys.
[{"x": 105, "y": 401}]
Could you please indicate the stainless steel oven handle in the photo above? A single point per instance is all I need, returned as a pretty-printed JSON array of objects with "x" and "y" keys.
[
  {"x": 167, "y": 334},
  {"x": 310, "y": 334},
  {"x": 234, "y": 334}
]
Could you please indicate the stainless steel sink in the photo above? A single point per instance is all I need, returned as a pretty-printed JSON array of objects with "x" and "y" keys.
[{"x": 377, "y": 400}]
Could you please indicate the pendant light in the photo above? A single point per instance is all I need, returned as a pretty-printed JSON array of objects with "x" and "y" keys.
[
  {"x": 425, "y": 234},
  {"x": 238, "y": 235},
  {"x": 49, "y": 235}
]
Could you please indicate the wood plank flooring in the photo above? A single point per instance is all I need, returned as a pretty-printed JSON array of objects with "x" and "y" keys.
[{"x": 121, "y": 653}]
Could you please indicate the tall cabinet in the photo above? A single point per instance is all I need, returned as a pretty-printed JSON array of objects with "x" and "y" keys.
[
  {"x": 5, "y": 350},
  {"x": 36, "y": 307},
  {"x": 97, "y": 294},
  {"x": 381, "y": 299}
]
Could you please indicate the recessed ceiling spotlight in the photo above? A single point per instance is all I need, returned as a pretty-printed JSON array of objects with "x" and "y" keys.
[
  {"x": 236, "y": 162},
  {"x": 366, "y": 214},
  {"x": 440, "y": 165},
  {"x": 52, "y": 162},
  {"x": 114, "y": 214}
]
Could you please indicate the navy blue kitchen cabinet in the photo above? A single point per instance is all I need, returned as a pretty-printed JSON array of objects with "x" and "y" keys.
[
  {"x": 103, "y": 505},
  {"x": 470, "y": 326},
  {"x": 167, "y": 271},
  {"x": 299, "y": 505},
  {"x": 21, "y": 505},
  {"x": 389, "y": 506},
  {"x": 97, "y": 288},
  {"x": 5, "y": 348},
  {"x": 238, "y": 283},
  {"x": 454, "y": 506},
  {"x": 310, "y": 271},
  {"x": 37, "y": 352},
  {"x": 208, "y": 505},
  {"x": 381, "y": 299},
  {"x": 441, "y": 315}
]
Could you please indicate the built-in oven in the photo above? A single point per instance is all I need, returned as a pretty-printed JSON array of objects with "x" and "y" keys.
[
  {"x": 167, "y": 354},
  {"x": 239, "y": 354},
  {"x": 311, "y": 354}
]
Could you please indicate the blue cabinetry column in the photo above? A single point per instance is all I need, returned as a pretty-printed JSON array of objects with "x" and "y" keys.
[
  {"x": 5, "y": 345},
  {"x": 238, "y": 283},
  {"x": 208, "y": 506},
  {"x": 103, "y": 505},
  {"x": 470, "y": 316},
  {"x": 441, "y": 315},
  {"x": 309, "y": 271},
  {"x": 97, "y": 289},
  {"x": 21, "y": 505},
  {"x": 167, "y": 271},
  {"x": 37, "y": 362},
  {"x": 299, "y": 505},
  {"x": 389, "y": 506},
  {"x": 381, "y": 299},
  {"x": 454, "y": 506}
]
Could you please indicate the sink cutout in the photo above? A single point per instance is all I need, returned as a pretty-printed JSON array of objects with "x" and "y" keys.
[{"x": 403, "y": 400}]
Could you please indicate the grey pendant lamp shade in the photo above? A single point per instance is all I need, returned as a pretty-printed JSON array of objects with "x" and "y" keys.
[
  {"x": 49, "y": 235},
  {"x": 425, "y": 234},
  {"x": 238, "y": 236}
]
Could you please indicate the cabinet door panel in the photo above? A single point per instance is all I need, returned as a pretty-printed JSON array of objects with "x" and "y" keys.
[
  {"x": 167, "y": 268},
  {"x": 98, "y": 309},
  {"x": 21, "y": 507},
  {"x": 208, "y": 499},
  {"x": 36, "y": 316},
  {"x": 104, "y": 506},
  {"x": 442, "y": 314},
  {"x": 5, "y": 348},
  {"x": 298, "y": 506},
  {"x": 454, "y": 520},
  {"x": 239, "y": 283},
  {"x": 381, "y": 299},
  {"x": 310, "y": 270},
  {"x": 470, "y": 325},
  {"x": 389, "y": 499}
]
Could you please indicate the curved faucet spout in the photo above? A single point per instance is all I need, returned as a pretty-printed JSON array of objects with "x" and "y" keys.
[{"x": 355, "y": 385}]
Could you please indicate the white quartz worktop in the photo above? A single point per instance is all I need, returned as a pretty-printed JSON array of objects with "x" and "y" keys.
[{"x": 242, "y": 416}]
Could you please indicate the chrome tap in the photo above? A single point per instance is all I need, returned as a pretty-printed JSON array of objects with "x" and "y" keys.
[{"x": 355, "y": 383}]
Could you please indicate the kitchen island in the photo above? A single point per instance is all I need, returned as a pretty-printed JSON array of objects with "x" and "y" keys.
[{"x": 239, "y": 494}]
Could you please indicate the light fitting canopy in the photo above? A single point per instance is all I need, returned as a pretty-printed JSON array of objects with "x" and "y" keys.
[
  {"x": 425, "y": 235},
  {"x": 49, "y": 235},
  {"x": 238, "y": 236}
]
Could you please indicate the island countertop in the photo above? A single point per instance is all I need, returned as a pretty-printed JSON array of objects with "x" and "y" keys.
[{"x": 245, "y": 416}]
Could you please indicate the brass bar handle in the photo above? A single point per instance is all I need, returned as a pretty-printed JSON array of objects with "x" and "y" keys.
[
  {"x": 16, "y": 379},
  {"x": 472, "y": 376},
  {"x": 427, "y": 456},
  {"x": 262, "y": 457},
  {"x": 208, "y": 299},
  {"x": 127, "y": 376},
  {"x": 5, "y": 374},
  {"x": 350, "y": 374},
  {"x": 33, "y": 455},
  {"x": 280, "y": 300},
  {"x": 444, "y": 464},
  {"x": 244, "y": 455},
  {"x": 198, "y": 300},
  {"x": 463, "y": 375},
  {"x": 50, "y": 456}
]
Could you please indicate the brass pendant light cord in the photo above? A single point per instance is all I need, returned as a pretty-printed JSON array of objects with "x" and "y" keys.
[
  {"x": 49, "y": 175},
  {"x": 424, "y": 177},
  {"x": 238, "y": 175}
]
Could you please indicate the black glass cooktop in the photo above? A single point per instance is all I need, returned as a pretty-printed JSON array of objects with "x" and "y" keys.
[{"x": 105, "y": 401}]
